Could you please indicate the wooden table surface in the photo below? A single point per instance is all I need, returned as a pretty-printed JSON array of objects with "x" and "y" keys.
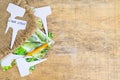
[{"x": 87, "y": 42}]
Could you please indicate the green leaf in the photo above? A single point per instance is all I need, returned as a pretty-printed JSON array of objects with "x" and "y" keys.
[
  {"x": 39, "y": 23},
  {"x": 5, "y": 68},
  {"x": 50, "y": 35},
  {"x": 32, "y": 39},
  {"x": 31, "y": 44},
  {"x": 20, "y": 51},
  {"x": 31, "y": 59},
  {"x": 41, "y": 37},
  {"x": 32, "y": 68}
]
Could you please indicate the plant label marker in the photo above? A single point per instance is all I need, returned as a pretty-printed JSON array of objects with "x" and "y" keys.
[
  {"x": 13, "y": 23},
  {"x": 43, "y": 13}
]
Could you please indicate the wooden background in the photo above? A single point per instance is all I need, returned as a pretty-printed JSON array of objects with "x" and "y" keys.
[{"x": 87, "y": 42}]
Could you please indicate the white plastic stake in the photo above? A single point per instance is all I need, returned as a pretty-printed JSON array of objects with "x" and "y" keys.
[
  {"x": 15, "y": 24},
  {"x": 43, "y": 13},
  {"x": 6, "y": 61},
  {"x": 24, "y": 66},
  {"x": 15, "y": 10}
]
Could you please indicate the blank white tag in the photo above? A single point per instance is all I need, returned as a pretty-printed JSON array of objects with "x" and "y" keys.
[
  {"x": 7, "y": 60},
  {"x": 15, "y": 10},
  {"x": 24, "y": 66},
  {"x": 43, "y": 13}
]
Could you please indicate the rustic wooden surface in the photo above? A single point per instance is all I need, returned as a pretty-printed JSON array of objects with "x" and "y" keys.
[{"x": 87, "y": 42}]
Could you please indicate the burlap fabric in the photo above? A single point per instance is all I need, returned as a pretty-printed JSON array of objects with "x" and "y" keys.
[{"x": 5, "y": 39}]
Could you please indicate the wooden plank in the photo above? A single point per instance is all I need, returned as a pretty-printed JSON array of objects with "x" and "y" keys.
[{"x": 87, "y": 42}]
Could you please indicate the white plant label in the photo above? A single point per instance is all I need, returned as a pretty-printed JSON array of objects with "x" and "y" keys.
[
  {"x": 42, "y": 13},
  {"x": 13, "y": 23}
]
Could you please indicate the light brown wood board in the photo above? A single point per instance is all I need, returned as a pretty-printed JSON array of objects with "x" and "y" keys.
[{"x": 87, "y": 42}]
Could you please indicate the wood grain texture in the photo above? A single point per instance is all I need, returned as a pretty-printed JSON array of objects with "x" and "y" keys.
[{"x": 87, "y": 42}]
